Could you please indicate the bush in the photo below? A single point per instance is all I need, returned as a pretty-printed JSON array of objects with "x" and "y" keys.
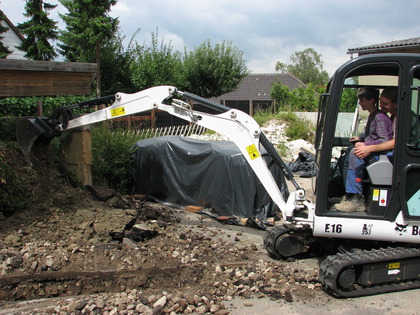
[
  {"x": 28, "y": 106},
  {"x": 300, "y": 99},
  {"x": 304, "y": 99},
  {"x": 281, "y": 94},
  {"x": 111, "y": 157},
  {"x": 297, "y": 128},
  {"x": 263, "y": 115},
  {"x": 8, "y": 128}
]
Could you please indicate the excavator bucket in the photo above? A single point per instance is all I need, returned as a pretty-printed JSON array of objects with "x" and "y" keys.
[{"x": 34, "y": 133}]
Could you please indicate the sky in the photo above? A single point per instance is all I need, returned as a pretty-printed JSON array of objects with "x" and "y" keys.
[{"x": 266, "y": 31}]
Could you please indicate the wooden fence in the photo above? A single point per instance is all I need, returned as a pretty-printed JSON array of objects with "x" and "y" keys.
[{"x": 180, "y": 130}]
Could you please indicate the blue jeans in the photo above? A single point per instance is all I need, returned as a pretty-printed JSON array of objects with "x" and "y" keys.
[{"x": 356, "y": 173}]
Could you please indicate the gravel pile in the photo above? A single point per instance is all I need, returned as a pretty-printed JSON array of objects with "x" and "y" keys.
[{"x": 274, "y": 130}]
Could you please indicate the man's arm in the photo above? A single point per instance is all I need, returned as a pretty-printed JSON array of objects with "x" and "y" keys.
[{"x": 361, "y": 150}]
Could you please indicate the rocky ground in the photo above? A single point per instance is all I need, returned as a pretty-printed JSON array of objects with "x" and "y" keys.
[
  {"x": 93, "y": 251},
  {"x": 125, "y": 255},
  {"x": 83, "y": 251}
]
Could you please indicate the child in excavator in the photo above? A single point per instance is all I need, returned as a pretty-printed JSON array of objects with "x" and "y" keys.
[{"x": 378, "y": 130}]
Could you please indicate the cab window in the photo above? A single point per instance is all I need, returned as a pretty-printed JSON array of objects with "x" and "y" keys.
[{"x": 414, "y": 139}]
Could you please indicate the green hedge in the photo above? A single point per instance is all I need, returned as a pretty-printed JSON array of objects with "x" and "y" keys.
[
  {"x": 111, "y": 155},
  {"x": 28, "y": 106}
]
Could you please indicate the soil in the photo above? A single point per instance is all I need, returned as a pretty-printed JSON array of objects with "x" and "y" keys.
[
  {"x": 90, "y": 250},
  {"x": 88, "y": 244}
]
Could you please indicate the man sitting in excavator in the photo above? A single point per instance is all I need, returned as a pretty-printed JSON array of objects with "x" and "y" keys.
[
  {"x": 388, "y": 104},
  {"x": 379, "y": 129}
]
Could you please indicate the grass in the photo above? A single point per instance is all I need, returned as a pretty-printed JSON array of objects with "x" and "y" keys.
[{"x": 262, "y": 116}]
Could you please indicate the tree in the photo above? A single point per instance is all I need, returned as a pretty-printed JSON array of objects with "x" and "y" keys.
[
  {"x": 156, "y": 64},
  {"x": 116, "y": 67},
  {"x": 4, "y": 51},
  {"x": 280, "y": 94},
  {"x": 305, "y": 99},
  {"x": 211, "y": 71},
  {"x": 300, "y": 99},
  {"x": 307, "y": 66},
  {"x": 39, "y": 30},
  {"x": 88, "y": 26}
]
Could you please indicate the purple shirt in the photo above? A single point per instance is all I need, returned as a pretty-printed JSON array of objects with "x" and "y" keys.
[{"x": 378, "y": 128}]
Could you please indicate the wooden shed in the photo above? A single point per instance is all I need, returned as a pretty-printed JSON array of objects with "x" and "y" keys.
[{"x": 45, "y": 78}]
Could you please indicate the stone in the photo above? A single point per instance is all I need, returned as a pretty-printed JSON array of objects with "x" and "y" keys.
[
  {"x": 141, "y": 308},
  {"x": 114, "y": 311},
  {"x": 151, "y": 299},
  {"x": 201, "y": 309},
  {"x": 245, "y": 293},
  {"x": 161, "y": 302},
  {"x": 13, "y": 240},
  {"x": 14, "y": 261},
  {"x": 34, "y": 265},
  {"x": 102, "y": 193},
  {"x": 288, "y": 297},
  {"x": 129, "y": 243},
  {"x": 214, "y": 308},
  {"x": 80, "y": 305},
  {"x": 49, "y": 262}
]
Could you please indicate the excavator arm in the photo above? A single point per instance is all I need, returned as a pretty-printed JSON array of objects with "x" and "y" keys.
[{"x": 239, "y": 127}]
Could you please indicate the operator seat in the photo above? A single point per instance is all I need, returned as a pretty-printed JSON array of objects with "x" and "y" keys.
[{"x": 380, "y": 172}]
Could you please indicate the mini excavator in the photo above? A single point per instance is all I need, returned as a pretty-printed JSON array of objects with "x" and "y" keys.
[{"x": 364, "y": 253}]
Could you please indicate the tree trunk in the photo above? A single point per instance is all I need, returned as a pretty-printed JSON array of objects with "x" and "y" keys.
[{"x": 98, "y": 69}]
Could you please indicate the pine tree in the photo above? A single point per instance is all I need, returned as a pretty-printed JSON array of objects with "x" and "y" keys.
[
  {"x": 4, "y": 51},
  {"x": 39, "y": 30},
  {"x": 88, "y": 27}
]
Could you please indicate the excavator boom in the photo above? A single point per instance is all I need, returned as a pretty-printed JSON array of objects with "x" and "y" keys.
[{"x": 238, "y": 126}]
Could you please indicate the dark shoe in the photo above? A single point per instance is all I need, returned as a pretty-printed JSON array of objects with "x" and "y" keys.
[{"x": 352, "y": 203}]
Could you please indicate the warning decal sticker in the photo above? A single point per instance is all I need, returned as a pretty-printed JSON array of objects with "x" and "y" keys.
[
  {"x": 253, "y": 152},
  {"x": 375, "y": 195},
  {"x": 383, "y": 195},
  {"x": 117, "y": 111}
]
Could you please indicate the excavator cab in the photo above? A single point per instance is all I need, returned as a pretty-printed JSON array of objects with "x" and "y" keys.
[
  {"x": 376, "y": 250},
  {"x": 389, "y": 186}
]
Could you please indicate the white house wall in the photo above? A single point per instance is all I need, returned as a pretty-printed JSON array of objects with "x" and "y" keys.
[{"x": 11, "y": 40}]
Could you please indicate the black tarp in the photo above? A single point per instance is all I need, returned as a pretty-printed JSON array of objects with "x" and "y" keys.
[
  {"x": 211, "y": 174},
  {"x": 304, "y": 165}
]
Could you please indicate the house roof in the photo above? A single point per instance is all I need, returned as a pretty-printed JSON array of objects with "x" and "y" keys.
[
  {"x": 11, "y": 26},
  {"x": 405, "y": 43},
  {"x": 257, "y": 86}
]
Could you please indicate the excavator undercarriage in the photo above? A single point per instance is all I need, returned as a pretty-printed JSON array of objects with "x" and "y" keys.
[{"x": 348, "y": 271}]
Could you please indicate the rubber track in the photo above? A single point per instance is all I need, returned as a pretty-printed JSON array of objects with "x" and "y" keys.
[
  {"x": 331, "y": 267},
  {"x": 270, "y": 240}
]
